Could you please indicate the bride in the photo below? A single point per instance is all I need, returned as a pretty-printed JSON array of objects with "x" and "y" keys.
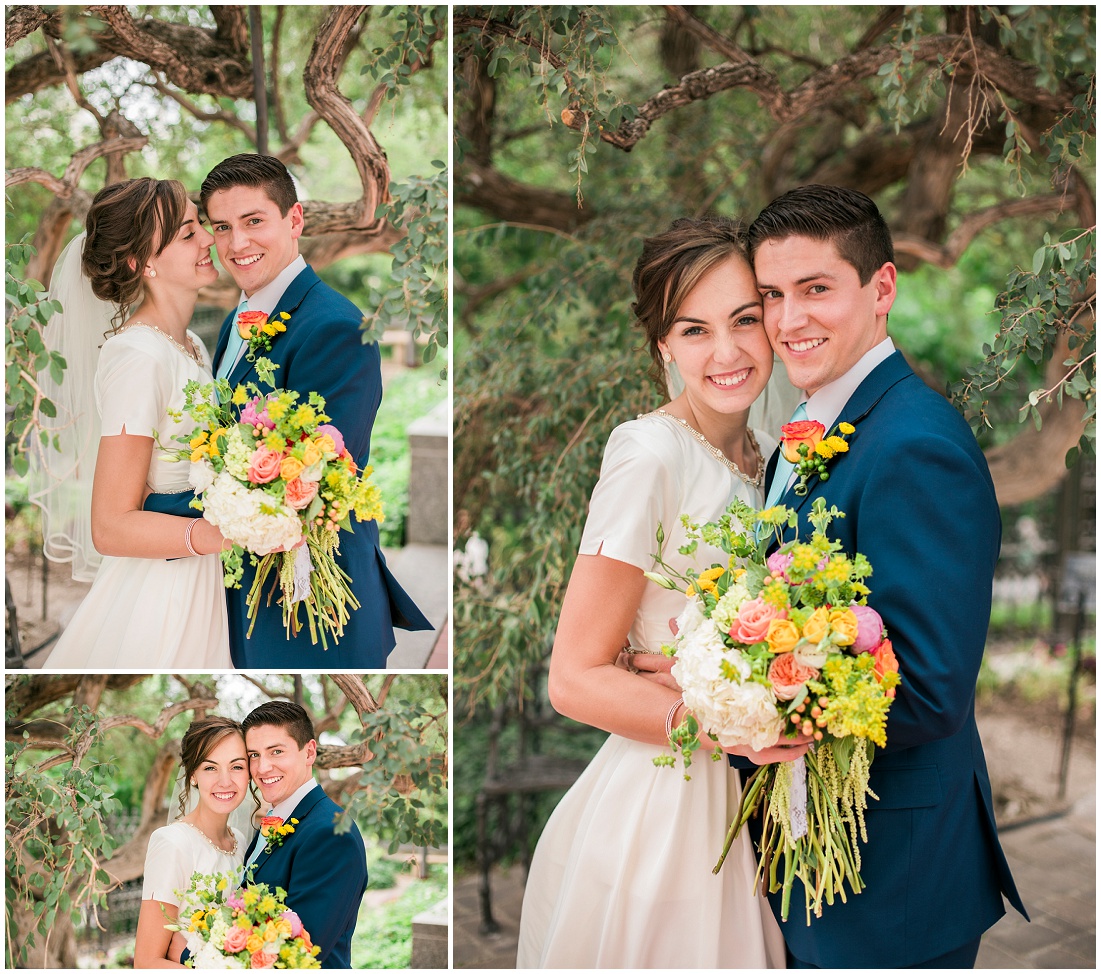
[
  {"x": 621, "y": 876},
  {"x": 157, "y": 599},
  {"x": 214, "y": 762}
]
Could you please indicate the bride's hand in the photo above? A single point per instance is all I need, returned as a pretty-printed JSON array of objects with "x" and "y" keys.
[
  {"x": 785, "y": 749},
  {"x": 207, "y": 539}
]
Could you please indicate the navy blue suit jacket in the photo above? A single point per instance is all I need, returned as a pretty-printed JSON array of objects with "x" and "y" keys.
[
  {"x": 920, "y": 504},
  {"x": 323, "y": 874},
  {"x": 321, "y": 351}
]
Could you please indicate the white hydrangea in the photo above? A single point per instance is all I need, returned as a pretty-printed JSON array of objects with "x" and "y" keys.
[
  {"x": 726, "y": 611},
  {"x": 205, "y": 956},
  {"x": 690, "y": 617},
  {"x": 728, "y": 704},
  {"x": 201, "y": 475},
  {"x": 250, "y": 518}
]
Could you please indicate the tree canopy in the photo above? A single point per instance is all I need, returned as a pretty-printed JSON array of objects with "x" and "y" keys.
[
  {"x": 80, "y": 748},
  {"x": 582, "y": 129}
]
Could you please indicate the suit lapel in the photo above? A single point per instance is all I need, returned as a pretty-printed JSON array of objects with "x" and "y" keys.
[
  {"x": 289, "y": 302},
  {"x": 301, "y": 810}
]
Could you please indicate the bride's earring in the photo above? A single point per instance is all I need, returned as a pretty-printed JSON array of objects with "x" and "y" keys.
[
  {"x": 152, "y": 272},
  {"x": 666, "y": 357}
]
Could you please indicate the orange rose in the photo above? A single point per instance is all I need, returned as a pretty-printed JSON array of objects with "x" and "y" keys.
[
  {"x": 885, "y": 662},
  {"x": 300, "y": 492},
  {"x": 247, "y": 321},
  {"x": 793, "y": 435},
  {"x": 787, "y": 676},
  {"x": 782, "y": 635}
]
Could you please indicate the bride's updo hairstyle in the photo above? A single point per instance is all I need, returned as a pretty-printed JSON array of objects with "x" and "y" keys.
[
  {"x": 671, "y": 264},
  {"x": 128, "y": 223},
  {"x": 204, "y": 734}
]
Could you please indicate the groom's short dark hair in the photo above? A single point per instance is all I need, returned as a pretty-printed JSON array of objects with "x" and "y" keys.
[
  {"x": 252, "y": 169},
  {"x": 285, "y": 714},
  {"x": 845, "y": 216}
]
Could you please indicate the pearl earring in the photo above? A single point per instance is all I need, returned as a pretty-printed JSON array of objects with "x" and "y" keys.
[
  {"x": 667, "y": 357},
  {"x": 152, "y": 272}
]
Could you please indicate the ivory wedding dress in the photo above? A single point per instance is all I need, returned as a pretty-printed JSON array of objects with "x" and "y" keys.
[
  {"x": 178, "y": 850},
  {"x": 621, "y": 876},
  {"x": 149, "y": 613}
]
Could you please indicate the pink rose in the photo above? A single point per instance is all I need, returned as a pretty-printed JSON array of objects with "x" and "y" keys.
[
  {"x": 260, "y": 960},
  {"x": 338, "y": 441},
  {"x": 235, "y": 940},
  {"x": 264, "y": 465},
  {"x": 753, "y": 619},
  {"x": 870, "y": 628},
  {"x": 300, "y": 492},
  {"x": 295, "y": 921},
  {"x": 251, "y": 417}
]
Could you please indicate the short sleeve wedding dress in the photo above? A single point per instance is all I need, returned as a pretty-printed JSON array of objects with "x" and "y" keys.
[
  {"x": 147, "y": 613},
  {"x": 621, "y": 876},
  {"x": 178, "y": 850}
]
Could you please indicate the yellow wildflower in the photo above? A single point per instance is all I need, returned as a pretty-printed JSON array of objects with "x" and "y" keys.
[
  {"x": 837, "y": 444},
  {"x": 706, "y": 581},
  {"x": 240, "y": 396},
  {"x": 846, "y": 428},
  {"x": 824, "y": 450},
  {"x": 197, "y": 441},
  {"x": 268, "y": 904},
  {"x": 250, "y": 898},
  {"x": 804, "y": 558},
  {"x": 277, "y": 408}
]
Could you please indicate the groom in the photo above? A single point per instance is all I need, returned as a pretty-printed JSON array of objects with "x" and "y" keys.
[
  {"x": 920, "y": 504},
  {"x": 323, "y": 872},
  {"x": 257, "y": 220}
]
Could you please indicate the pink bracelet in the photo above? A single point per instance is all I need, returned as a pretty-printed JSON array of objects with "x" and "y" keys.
[
  {"x": 187, "y": 535},
  {"x": 677, "y": 704}
]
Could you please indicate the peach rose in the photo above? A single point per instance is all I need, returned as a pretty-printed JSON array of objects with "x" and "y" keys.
[
  {"x": 264, "y": 465},
  {"x": 753, "y": 619},
  {"x": 817, "y": 627},
  {"x": 300, "y": 492},
  {"x": 235, "y": 941},
  {"x": 794, "y": 435},
  {"x": 844, "y": 626},
  {"x": 291, "y": 468},
  {"x": 788, "y": 676},
  {"x": 782, "y": 635},
  {"x": 261, "y": 960}
]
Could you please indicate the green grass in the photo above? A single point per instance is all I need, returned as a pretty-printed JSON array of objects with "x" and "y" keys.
[
  {"x": 408, "y": 395},
  {"x": 384, "y": 935}
]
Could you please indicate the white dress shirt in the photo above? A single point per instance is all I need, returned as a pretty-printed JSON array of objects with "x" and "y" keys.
[{"x": 287, "y": 805}]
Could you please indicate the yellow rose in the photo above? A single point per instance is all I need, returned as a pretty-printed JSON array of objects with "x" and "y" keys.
[
  {"x": 254, "y": 943},
  {"x": 311, "y": 453},
  {"x": 325, "y": 443},
  {"x": 844, "y": 624},
  {"x": 817, "y": 627},
  {"x": 782, "y": 635},
  {"x": 291, "y": 468}
]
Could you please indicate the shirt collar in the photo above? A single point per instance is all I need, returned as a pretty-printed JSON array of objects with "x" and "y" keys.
[
  {"x": 284, "y": 808},
  {"x": 267, "y": 298},
  {"x": 826, "y": 404}
]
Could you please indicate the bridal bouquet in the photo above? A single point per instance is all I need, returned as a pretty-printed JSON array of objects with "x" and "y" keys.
[
  {"x": 276, "y": 479},
  {"x": 227, "y": 928},
  {"x": 782, "y": 645}
]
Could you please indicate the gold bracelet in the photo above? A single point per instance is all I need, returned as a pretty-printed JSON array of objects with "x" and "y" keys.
[
  {"x": 187, "y": 535},
  {"x": 677, "y": 704}
]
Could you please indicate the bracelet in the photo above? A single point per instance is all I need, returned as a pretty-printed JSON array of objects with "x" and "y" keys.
[
  {"x": 187, "y": 535},
  {"x": 677, "y": 704}
]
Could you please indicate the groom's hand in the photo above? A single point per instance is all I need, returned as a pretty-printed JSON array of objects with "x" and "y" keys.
[
  {"x": 785, "y": 749},
  {"x": 652, "y": 666}
]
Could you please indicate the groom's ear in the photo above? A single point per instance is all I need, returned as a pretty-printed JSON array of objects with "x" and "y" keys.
[
  {"x": 298, "y": 220},
  {"x": 311, "y": 753}
]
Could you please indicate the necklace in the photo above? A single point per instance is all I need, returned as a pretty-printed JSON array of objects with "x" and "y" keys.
[
  {"x": 755, "y": 481},
  {"x": 192, "y": 353},
  {"x": 214, "y": 845}
]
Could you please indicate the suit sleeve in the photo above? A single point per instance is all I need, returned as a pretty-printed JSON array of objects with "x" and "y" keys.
[
  {"x": 334, "y": 362},
  {"x": 929, "y": 523},
  {"x": 327, "y": 880}
]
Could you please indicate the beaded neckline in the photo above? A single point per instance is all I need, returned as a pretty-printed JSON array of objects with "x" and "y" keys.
[
  {"x": 213, "y": 845},
  {"x": 754, "y": 481},
  {"x": 192, "y": 354}
]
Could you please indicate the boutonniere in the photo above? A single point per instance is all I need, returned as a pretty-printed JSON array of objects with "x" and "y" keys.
[
  {"x": 806, "y": 445},
  {"x": 258, "y": 332},
  {"x": 275, "y": 831}
]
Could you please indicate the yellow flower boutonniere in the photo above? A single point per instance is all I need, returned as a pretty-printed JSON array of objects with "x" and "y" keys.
[
  {"x": 805, "y": 445},
  {"x": 259, "y": 332},
  {"x": 275, "y": 831}
]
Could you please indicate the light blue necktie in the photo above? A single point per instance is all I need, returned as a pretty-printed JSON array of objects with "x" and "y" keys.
[
  {"x": 233, "y": 345},
  {"x": 261, "y": 845},
  {"x": 784, "y": 467}
]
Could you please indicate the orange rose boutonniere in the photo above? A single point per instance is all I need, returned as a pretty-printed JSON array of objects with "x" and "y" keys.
[
  {"x": 806, "y": 445},
  {"x": 275, "y": 831},
  {"x": 258, "y": 332}
]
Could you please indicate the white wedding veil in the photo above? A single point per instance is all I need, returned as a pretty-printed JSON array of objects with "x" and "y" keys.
[{"x": 60, "y": 480}]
